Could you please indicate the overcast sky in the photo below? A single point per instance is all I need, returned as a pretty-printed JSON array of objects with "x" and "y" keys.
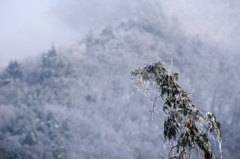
[{"x": 29, "y": 27}]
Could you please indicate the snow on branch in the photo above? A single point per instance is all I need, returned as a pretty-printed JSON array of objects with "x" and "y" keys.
[{"x": 186, "y": 126}]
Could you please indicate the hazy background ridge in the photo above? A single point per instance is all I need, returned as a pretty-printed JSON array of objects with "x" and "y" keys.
[{"x": 31, "y": 27}]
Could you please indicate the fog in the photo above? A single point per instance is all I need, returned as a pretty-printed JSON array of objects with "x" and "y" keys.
[
  {"x": 31, "y": 27},
  {"x": 215, "y": 21}
]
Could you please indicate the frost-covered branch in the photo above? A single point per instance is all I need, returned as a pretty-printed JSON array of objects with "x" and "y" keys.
[{"x": 185, "y": 124}]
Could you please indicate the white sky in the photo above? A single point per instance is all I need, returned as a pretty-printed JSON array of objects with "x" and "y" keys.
[{"x": 28, "y": 27}]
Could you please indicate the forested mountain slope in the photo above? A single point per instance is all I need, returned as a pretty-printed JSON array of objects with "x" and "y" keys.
[{"x": 78, "y": 101}]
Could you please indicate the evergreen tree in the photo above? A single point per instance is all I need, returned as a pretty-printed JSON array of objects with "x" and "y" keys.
[
  {"x": 186, "y": 126},
  {"x": 54, "y": 65},
  {"x": 14, "y": 70}
]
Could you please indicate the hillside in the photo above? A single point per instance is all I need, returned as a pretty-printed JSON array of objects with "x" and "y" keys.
[{"x": 78, "y": 101}]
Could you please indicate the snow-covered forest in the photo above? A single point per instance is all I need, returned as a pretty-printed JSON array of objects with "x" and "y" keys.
[{"x": 76, "y": 101}]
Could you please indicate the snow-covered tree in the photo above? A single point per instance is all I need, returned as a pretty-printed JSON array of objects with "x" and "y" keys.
[
  {"x": 186, "y": 126},
  {"x": 12, "y": 72}
]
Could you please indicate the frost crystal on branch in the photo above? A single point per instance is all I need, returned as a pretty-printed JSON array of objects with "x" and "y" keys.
[{"x": 186, "y": 126}]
